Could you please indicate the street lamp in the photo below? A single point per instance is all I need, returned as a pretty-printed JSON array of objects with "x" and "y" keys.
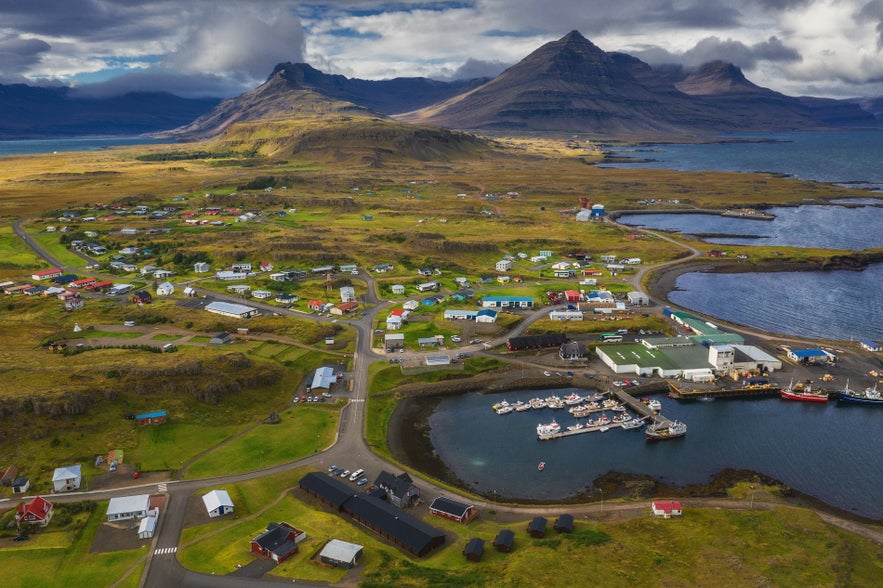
[{"x": 601, "y": 490}]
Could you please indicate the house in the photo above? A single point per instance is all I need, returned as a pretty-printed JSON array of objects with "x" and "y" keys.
[
  {"x": 486, "y": 315},
  {"x": 461, "y": 295},
  {"x": 572, "y": 295},
  {"x": 425, "y": 271},
  {"x": 241, "y": 267},
  {"x": 46, "y": 274},
  {"x": 9, "y": 475},
  {"x": 36, "y": 512},
  {"x": 869, "y": 345},
  {"x": 456, "y": 314},
  {"x": 232, "y": 310},
  {"x": 394, "y": 340},
  {"x": 262, "y": 294},
  {"x": 395, "y": 525},
  {"x": 265, "y": 266},
  {"x": 323, "y": 378},
  {"x": 67, "y": 478},
  {"x": 162, "y": 274},
  {"x": 349, "y": 268},
  {"x": 228, "y": 276},
  {"x": 20, "y": 485},
  {"x": 201, "y": 267},
  {"x": 278, "y": 542},
  {"x": 344, "y": 308},
  {"x": 428, "y": 286},
  {"x": 157, "y": 417},
  {"x": 393, "y": 322},
  {"x": 410, "y": 305},
  {"x": 400, "y": 490},
  {"x": 217, "y": 503},
  {"x": 142, "y": 297},
  {"x": 239, "y": 289},
  {"x": 398, "y": 289},
  {"x": 564, "y": 523},
  {"x": 432, "y": 300},
  {"x": 283, "y": 298},
  {"x": 347, "y": 294},
  {"x": 165, "y": 289},
  {"x": 341, "y": 554},
  {"x": 535, "y": 341},
  {"x": 638, "y": 299},
  {"x": 73, "y": 303},
  {"x": 537, "y": 527},
  {"x": 504, "y": 265},
  {"x": 573, "y": 351},
  {"x": 666, "y": 508},
  {"x": 505, "y": 540},
  {"x": 454, "y": 510},
  {"x": 474, "y": 549},
  {"x": 429, "y": 341},
  {"x": 566, "y": 315},
  {"x": 123, "y": 508},
  {"x": 315, "y": 305},
  {"x": 547, "y": 253},
  {"x": 221, "y": 339}
]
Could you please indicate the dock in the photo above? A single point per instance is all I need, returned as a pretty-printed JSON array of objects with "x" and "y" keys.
[
  {"x": 592, "y": 429},
  {"x": 744, "y": 392}
]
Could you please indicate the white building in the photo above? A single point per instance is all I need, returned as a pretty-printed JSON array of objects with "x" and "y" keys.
[
  {"x": 323, "y": 378},
  {"x": 147, "y": 526},
  {"x": 67, "y": 478},
  {"x": 232, "y": 310},
  {"x": 228, "y": 276},
  {"x": 347, "y": 294},
  {"x": 128, "y": 507},
  {"x": 638, "y": 298},
  {"x": 165, "y": 289},
  {"x": 201, "y": 267},
  {"x": 504, "y": 265},
  {"x": 217, "y": 503},
  {"x": 393, "y": 322},
  {"x": 398, "y": 289}
]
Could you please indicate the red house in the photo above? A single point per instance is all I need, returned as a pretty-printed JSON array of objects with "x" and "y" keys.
[
  {"x": 453, "y": 510},
  {"x": 315, "y": 305},
  {"x": 572, "y": 295},
  {"x": 592, "y": 272},
  {"x": 46, "y": 274},
  {"x": 142, "y": 297},
  {"x": 666, "y": 508},
  {"x": 36, "y": 512},
  {"x": 278, "y": 542}
]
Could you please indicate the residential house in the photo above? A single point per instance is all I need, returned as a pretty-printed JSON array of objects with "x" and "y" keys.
[
  {"x": 265, "y": 266},
  {"x": 67, "y": 479},
  {"x": 221, "y": 339},
  {"x": 425, "y": 271},
  {"x": 398, "y": 289},
  {"x": 278, "y": 542},
  {"x": 315, "y": 305},
  {"x": 162, "y": 274},
  {"x": 504, "y": 265},
  {"x": 241, "y": 267},
  {"x": 341, "y": 554},
  {"x": 638, "y": 299},
  {"x": 410, "y": 305},
  {"x": 232, "y": 310},
  {"x": 394, "y": 340},
  {"x": 142, "y": 297},
  {"x": 46, "y": 274},
  {"x": 228, "y": 276},
  {"x": 165, "y": 289},
  {"x": 283, "y": 298},
  {"x": 262, "y": 294},
  {"x": 428, "y": 286},
  {"x": 37, "y": 511},
  {"x": 505, "y": 540},
  {"x": 454, "y": 510},
  {"x": 507, "y": 302},
  {"x": 123, "y": 508},
  {"x": 393, "y": 322},
  {"x": 217, "y": 503},
  {"x": 73, "y": 303},
  {"x": 201, "y": 267},
  {"x": 573, "y": 351},
  {"x": 347, "y": 294},
  {"x": 157, "y": 417},
  {"x": 344, "y": 308},
  {"x": 400, "y": 490},
  {"x": 9, "y": 475},
  {"x": 666, "y": 508},
  {"x": 20, "y": 485},
  {"x": 537, "y": 527}
]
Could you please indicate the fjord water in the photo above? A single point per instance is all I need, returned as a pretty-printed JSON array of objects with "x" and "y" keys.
[
  {"x": 35, "y": 146},
  {"x": 828, "y": 451}
]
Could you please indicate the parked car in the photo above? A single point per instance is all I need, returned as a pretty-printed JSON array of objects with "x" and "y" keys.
[
  {"x": 326, "y": 394},
  {"x": 362, "y": 481},
  {"x": 21, "y": 537},
  {"x": 344, "y": 473},
  {"x": 333, "y": 468},
  {"x": 474, "y": 341},
  {"x": 455, "y": 338}
]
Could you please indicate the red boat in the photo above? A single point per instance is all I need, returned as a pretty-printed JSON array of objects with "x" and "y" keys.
[
  {"x": 541, "y": 466},
  {"x": 804, "y": 393}
]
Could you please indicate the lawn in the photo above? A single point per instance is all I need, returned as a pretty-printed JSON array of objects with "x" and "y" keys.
[
  {"x": 301, "y": 431},
  {"x": 14, "y": 253},
  {"x": 168, "y": 446}
]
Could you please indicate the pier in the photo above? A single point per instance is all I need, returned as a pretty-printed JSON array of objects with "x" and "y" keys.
[{"x": 748, "y": 391}]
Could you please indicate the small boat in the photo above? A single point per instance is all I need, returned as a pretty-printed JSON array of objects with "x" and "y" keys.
[
  {"x": 633, "y": 424},
  {"x": 618, "y": 408},
  {"x": 572, "y": 399},
  {"x": 654, "y": 405},
  {"x": 504, "y": 410},
  {"x": 869, "y": 396},
  {"x": 658, "y": 432},
  {"x": 521, "y": 406},
  {"x": 537, "y": 403},
  {"x": 547, "y": 374},
  {"x": 576, "y": 427},
  {"x": 603, "y": 420},
  {"x": 548, "y": 430},
  {"x": 499, "y": 405},
  {"x": 541, "y": 466},
  {"x": 804, "y": 393},
  {"x": 622, "y": 417}
]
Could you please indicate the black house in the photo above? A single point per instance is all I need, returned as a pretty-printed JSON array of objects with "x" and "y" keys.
[
  {"x": 535, "y": 341},
  {"x": 474, "y": 549},
  {"x": 400, "y": 490},
  {"x": 564, "y": 524},
  {"x": 505, "y": 540},
  {"x": 395, "y": 525},
  {"x": 537, "y": 527},
  {"x": 327, "y": 489}
]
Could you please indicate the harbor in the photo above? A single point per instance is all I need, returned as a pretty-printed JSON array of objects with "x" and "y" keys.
[{"x": 682, "y": 393}]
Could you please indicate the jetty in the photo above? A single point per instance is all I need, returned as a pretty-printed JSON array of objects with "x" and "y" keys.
[{"x": 743, "y": 392}]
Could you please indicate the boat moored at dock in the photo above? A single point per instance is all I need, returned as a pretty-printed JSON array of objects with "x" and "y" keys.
[
  {"x": 662, "y": 431},
  {"x": 803, "y": 393},
  {"x": 870, "y": 395}
]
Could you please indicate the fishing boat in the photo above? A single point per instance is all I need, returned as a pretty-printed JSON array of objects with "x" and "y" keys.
[
  {"x": 659, "y": 432},
  {"x": 554, "y": 403},
  {"x": 633, "y": 424},
  {"x": 654, "y": 405},
  {"x": 548, "y": 430},
  {"x": 622, "y": 417},
  {"x": 870, "y": 395},
  {"x": 572, "y": 399},
  {"x": 504, "y": 410},
  {"x": 801, "y": 392},
  {"x": 576, "y": 427},
  {"x": 521, "y": 406},
  {"x": 497, "y": 406},
  {"x": 537, "y": 403},
  {"x": 541, "y": 466}
]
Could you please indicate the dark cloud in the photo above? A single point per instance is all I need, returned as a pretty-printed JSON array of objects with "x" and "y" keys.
[
  {"x": 716, "y": 49},
  {"x": 477, "y": 68},
  {"x": 190, "y": 85},
  {"x": 873, "y": 11},
  {"x": 17, "y": 55}
]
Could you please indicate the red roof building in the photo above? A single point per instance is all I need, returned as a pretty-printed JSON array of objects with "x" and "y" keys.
[
  {"x": 36, "y": 512},
  {"x": 345, "y": 308},
  {"x": 572, "y": 295},
  {"x": 398, "y": 312},
  {"x": 666, "y": 508},
  {"x": 46, "y": 274},
  {"x": 315, "y": 305}
]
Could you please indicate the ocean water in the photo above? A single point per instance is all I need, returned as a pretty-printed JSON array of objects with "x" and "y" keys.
[
  {"x": 829, "y": 451},
  {"x": 853, "y": 227},
  {"x": 34, "y": 146},
  {"x": 850, "y": 156}
]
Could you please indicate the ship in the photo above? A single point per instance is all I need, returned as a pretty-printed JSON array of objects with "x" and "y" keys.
[
  {"x": 801, "y": 392},
  {"x": 870, "y": 395},
  {"x": 659, "y": 431},
  {"x": 633, "y": 424},
  {"x": 572, "y": 399},
  {"x": 548, "y": 430}
]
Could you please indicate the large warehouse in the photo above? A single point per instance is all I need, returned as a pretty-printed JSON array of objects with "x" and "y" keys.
[{"x": 232, "y": 310}]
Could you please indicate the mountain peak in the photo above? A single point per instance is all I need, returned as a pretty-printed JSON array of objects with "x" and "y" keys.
[{"x": 716, "y": 77}]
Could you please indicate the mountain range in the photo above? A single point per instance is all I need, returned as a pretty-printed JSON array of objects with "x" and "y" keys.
[{"x": 568, "y": 85}]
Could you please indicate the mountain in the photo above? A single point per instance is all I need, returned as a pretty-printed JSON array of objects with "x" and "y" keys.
[
  {"x": 28, "y": 112},
  {"x": 571, "y": 85}
]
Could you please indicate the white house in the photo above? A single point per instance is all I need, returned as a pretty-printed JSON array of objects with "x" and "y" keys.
[
  {"x": 638, "y": 299},
  {"x": 147, "y": 526},
  {"x": 666, "y": 509},
  {"x": 217, "y": 503},
  {"x": 165, "y": 289},
  {"x": 128, "y": 507},
  {"x": 228, "y": 276},
  {"x": 398, "y": 289},
  {"x": 347, "y": 294},
  {"x": 411, "y": 305},
  {"x": 262, "y": 294},
  {"x": 504, "y": 265},
  {"x": 201, "y": 267},
  {"x": 67, "y": 478},
  {"x": 393, "y": 322}
]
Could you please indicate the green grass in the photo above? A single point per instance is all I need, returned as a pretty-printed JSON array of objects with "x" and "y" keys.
[
  {"x": 301, "y": 431},
  {"x": 14, "y": 253},
  {"x": 50, "y": 241},
  {"x": 166, "y": 447},
  {"x": 162, "y": 337}
]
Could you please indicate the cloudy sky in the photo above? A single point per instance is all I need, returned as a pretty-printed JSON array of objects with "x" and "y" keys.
[{"x": 223, "y": 47}]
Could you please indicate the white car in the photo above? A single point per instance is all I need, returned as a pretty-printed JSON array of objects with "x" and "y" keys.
[
  {"x": 455, "y": 338},
  {"x": 547, "y": 374},
  {"x": 344, "y": 473}
]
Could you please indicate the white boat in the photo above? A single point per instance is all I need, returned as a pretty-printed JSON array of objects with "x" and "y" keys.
[
  {"x": 497, "y": 406},
  {"x": 622, "y": 417},
  {"x": 633, "y": 424},
  {"x": 572, "y": 399},
  {"x": 537, "y": 403},
  {"x": 521, "y": 407},
  {"x": 654, "y": 405},
  {"x": 576, "y": 427},
  {"x": 504, "y": 410},
  {"x": 548, "y": 430}
]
